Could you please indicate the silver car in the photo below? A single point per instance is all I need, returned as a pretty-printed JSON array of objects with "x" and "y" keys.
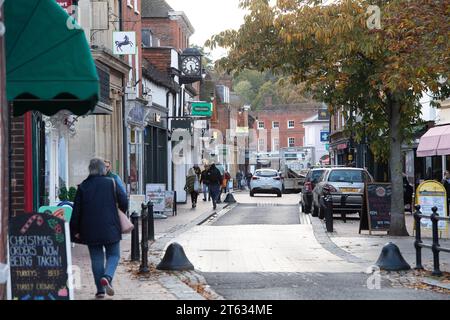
[
  {"x": 266, "y": 181},
  {"x": 346, "y": 187}
]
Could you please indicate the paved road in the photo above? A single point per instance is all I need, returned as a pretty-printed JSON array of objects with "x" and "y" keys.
[{"x": 265, "y": 248}]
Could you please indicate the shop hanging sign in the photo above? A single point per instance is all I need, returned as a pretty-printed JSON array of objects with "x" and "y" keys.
[
  {"x": 201, "y": 109},
  {"x": 124, "y": 42},
  {"x": 432, "y": 194},
  {"x": 40, "y": 258},
  {"x": 324, "y": 136}
]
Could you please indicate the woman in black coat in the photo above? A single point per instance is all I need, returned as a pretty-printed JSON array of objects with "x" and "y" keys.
[{"x": 95, "y": 222}]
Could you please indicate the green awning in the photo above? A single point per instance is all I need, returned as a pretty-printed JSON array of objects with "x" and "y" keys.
[{"x": 49, "y": 66}]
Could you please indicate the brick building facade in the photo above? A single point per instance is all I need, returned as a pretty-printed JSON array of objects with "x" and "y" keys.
[{"x": 280, "y": 126}]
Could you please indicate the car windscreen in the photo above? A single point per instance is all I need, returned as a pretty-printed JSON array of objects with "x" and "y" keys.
[
  {"x": 346, "y": 176},
  {"x": 266, "y": 174},
  {"x": 316, "y": 174}
]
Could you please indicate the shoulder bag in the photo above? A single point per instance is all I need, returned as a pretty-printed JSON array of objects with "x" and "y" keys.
[{"x": 125, "y": 223}]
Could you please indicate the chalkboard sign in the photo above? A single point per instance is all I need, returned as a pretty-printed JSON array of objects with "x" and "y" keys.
[
  {"x": 378, "y": 206},
  {"x": 40, "y": 258}
]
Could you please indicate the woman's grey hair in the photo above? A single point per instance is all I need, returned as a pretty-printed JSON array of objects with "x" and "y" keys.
[{"x": 97, "y": 167}]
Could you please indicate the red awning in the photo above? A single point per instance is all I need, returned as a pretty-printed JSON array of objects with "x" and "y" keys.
[{"x": 436, "y": 142}]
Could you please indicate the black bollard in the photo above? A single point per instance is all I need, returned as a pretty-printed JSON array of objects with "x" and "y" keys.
[
  {"x": 391, "y": 259},
  {"x": 175, "y": 259},
  {"x": 329, "y": 213},
  {"x": 229, "y": 198},
  {"x": 435, "y": 248},
  {"x": 418, "y": 242},
  {"x": 144, "y": 241},
  {"x": 151, "y": 222},
  {"x": 135, "y": 252}
]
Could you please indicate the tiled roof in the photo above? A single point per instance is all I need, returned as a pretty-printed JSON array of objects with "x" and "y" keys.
[{"x": 155, "y": 9}]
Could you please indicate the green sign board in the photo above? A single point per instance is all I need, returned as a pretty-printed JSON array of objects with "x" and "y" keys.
[{"x": 201, "y": 109}]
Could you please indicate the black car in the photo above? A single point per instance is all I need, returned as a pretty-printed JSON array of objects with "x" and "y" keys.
[{"x": 311, "y": 180}]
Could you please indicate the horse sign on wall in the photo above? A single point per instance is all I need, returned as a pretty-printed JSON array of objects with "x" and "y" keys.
[{"x": 124, "y": 42}]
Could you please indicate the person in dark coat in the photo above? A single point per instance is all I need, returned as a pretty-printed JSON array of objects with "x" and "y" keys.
[
  {"x": 205, "y": 184},
  {"x": 193, "y": 184},
  {"x": 408, "y": 192},
  {"x": 215, "y": 181},
  {"x": 95, "y": 222}
]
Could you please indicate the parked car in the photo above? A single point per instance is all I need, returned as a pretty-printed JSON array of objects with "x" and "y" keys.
[
  {"x": 346, "y": 187},
  {"x": 266, "y": 181},
  {"x": 312, "y": 178}
]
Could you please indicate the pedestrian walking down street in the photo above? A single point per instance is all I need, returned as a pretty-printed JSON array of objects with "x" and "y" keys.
[
  {"x": 446, "y": 183},
  {"x": 249, "y": 178},
  {"x": 95, "y": 222},
  {"x": 224, "y": 186},
  {"x": 205, "y": 183},
  {"x": 110, "y": 174},
  {"x": 193, "y": 184},
  {"x": 239, "y": 177},
  {"x": 408, "y": 192},
  {"x": 215, "y": 181}
]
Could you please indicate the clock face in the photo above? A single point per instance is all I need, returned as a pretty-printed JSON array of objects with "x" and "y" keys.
[{"x": 190, "y": 66}]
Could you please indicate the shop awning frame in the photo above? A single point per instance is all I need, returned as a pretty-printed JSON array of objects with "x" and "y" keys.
[
  {"x": 49, "y": 66},
  {"x": 435, "y": 142}
]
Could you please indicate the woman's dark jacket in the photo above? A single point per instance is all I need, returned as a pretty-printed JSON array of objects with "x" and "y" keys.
[{"x": 95, "y": 216}]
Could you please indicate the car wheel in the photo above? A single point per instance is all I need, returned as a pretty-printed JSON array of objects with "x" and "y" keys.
[
  {"x": 252, "y": 194},
  {"x": 315, "y": 211},
  {"x": 279, "y": 194}
]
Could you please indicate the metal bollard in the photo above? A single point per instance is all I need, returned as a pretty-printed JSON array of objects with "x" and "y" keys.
[
  {"x": 435, "y": 248},
  {"x": 135, "y": 252},
  {"x": 418, "y": 242},
  {"x": 151, "y": 222},
  {"x": 329, "y": 213},
  {"x": 144, "y": 242}
]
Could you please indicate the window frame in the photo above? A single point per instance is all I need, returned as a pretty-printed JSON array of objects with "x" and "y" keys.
[
  {"x": 151, "y": 37},
  {"x": 289, "y": 142},
  {"x": 273, "y": 124},
  {"x": 263, "y": 125},
  {"x": 289, "y": 122}
]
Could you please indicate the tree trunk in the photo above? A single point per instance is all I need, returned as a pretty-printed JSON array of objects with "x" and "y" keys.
[{"x": 398, "y": 224}]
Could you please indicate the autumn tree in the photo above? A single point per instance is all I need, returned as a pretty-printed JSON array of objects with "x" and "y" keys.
[{"x": 375, "y": 61}]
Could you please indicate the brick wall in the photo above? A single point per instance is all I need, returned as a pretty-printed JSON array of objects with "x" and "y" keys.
[
  {"x": 169, "y": 32},
  {"x": 282, "y": 117},
  {"x": 159, "y": 57},
  {"x": 17, "y": 164}
]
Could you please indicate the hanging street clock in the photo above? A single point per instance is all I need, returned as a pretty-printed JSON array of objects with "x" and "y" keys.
[{"x": 191, "y": 66}]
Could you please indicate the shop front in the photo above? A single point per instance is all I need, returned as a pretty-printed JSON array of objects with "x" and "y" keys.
[
  {"x": 433, "y": 154},
  {"x": 156, "y": 154},
  {"x": 136, "y": 113},
  {"x": 44, "y": 75}
]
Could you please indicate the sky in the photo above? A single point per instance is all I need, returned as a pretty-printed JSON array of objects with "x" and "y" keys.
[{"x": 210, "y": 17}]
